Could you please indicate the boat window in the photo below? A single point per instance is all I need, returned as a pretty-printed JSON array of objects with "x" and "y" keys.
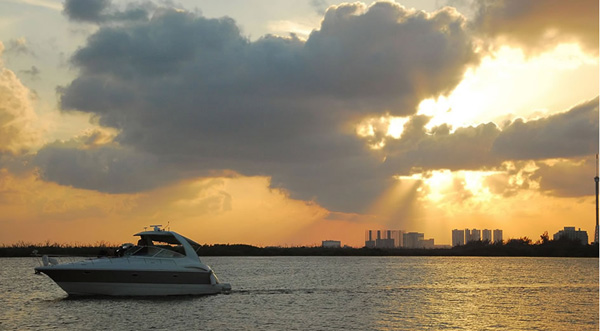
[
  {"x": 168, "y": 253},
  {"x": 153, "y": 251}
]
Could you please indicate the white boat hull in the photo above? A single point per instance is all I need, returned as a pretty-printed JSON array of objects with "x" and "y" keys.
[{"x": 171, "y": 268}]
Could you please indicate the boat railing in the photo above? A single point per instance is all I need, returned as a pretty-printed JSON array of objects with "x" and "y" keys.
[
  {"x": 152, "y": 255},
  {"x": 54, "y": 259}
]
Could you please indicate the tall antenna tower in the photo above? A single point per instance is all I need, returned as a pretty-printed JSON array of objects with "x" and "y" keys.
[{"x": 596, "y": 179}]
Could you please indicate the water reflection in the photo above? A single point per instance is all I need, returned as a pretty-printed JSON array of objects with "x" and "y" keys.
[{"x": 332, "y": 293}]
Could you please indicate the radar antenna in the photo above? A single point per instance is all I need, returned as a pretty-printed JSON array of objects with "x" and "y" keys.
[{"x": 156, "y": 227}]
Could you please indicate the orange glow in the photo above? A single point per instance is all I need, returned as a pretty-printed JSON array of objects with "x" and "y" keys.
[
  {"x": 508, "y": 84},
  {"x": 217, "y": 210},
  {"x": 245, "y": 210}
]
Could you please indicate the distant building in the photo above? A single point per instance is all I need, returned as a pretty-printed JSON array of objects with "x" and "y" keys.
[
  {"x": 385, "y": 243},
  {"x": 570, "y": 233},
  {"x": 383, "y": 238},
  {"x": 331, "y": 244},
  {"x": 412, "y": 239},
  {"x": 458, "y": 237},
  {"x": 416, "y": 240},
  {"x": 486, "y": 235},
  {"x": 461, "y": 237},
  {"x": 369, "y": 240},
  {"x": 472, "y": 235},
  {"x": 497, "y": 236},
  {"x": 427, "y": 243}
]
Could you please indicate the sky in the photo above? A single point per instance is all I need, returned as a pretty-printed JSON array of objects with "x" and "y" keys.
[{"x": 290, "y": 122}]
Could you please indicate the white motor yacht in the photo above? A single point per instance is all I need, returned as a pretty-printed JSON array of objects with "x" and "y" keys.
[{"x": 163, "y": 263}]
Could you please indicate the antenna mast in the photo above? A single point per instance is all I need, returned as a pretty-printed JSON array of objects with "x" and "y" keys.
[
  {"x": 596, "y": 168},
  {"x": 596, "y": 179}
]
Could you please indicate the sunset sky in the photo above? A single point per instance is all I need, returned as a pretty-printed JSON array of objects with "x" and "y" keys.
[{"x": 290, "y": 122}]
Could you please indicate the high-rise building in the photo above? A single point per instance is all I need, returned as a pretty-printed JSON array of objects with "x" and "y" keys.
[
  {"x": 458, "y": 237},
  {"x": 570, "y": 233},
  {"x": 383, "y": 238},
  {"x": 417, "y": 240},
  {"x": 497, "y": 236},
  {"x": 476, "y": 235},
  {"x": 486, "y": 235},
  {"x": 461, "y": 237},
  {"x": 472, "y": 235}
]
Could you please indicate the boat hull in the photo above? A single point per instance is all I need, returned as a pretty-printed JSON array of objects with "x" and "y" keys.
[
  {"x": 146, "y": 289},
  {"x": 133, "y": 282}
]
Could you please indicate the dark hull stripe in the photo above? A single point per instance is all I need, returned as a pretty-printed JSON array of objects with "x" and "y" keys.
[{"x": 128, "y": 276}]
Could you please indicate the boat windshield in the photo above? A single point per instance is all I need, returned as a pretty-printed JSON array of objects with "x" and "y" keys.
[{"x": 154, "y": 251}]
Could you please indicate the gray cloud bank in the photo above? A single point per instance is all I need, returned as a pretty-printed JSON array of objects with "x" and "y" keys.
[
  {"x": 538, "y": 25},
  {"x": 191, "y": 97},
  {"x": 569, "y": 135},
  {"x": 101, "y": 11}
]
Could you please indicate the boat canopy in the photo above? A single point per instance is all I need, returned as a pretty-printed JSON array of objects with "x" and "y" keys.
[{"x": 165, "y": 237}]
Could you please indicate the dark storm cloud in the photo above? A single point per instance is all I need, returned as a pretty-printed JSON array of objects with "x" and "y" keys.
[
  {"x": 537, "y": 25},
  {"x": 388, "y": 58},
  {"x": 191, "y": 96},
  {"x": 197, "y": 96},
  {"x": 98, "y": 11},
  {"x": 105, "y": 168},
  {"x": 86, "y": 10}
]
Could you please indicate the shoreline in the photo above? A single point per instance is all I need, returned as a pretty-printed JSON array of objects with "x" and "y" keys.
[{"x": 510, "y": 249}]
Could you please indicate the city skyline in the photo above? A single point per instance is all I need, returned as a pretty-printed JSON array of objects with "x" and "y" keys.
[{"x": 291, "y": 122}]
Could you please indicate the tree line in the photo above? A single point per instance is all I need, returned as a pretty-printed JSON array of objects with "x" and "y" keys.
[{"x": 524, "y": 246}]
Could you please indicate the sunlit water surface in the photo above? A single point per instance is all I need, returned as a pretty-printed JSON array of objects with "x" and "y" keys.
[{"x": 330, "y": 293}]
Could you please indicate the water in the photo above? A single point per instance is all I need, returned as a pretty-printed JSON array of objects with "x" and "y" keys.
[{"x": 330, "y": 293}]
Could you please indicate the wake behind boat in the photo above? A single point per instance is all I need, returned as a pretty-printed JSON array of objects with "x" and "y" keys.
[{"x": 163, "y": 263}]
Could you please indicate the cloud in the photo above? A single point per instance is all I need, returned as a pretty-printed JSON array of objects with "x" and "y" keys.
[
  {"x": 86, "y": 10},
  {"x": 197, "y": 96},
  {"x": 320, "y": 6},
  {"x": 100, "y": 11},
  {"x": 570, "y": 134},
  {"x": 190, "y": 96},
  {"x": 386, "y": 57},
  {"x": 18, "y": 47},
  {"x": 17, "y": 118},
  {"x": 539, "y": 25},
  {"x": 512, "y": 177},
  {"x": 33, "y": 72},
  {"x": 466, "y": 149},
  {"x": 105, "y": 168},
  {"x": 567, "y": 178}
]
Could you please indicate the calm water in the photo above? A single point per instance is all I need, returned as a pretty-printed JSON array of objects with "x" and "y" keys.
[{"x": 330, "y": 293}]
